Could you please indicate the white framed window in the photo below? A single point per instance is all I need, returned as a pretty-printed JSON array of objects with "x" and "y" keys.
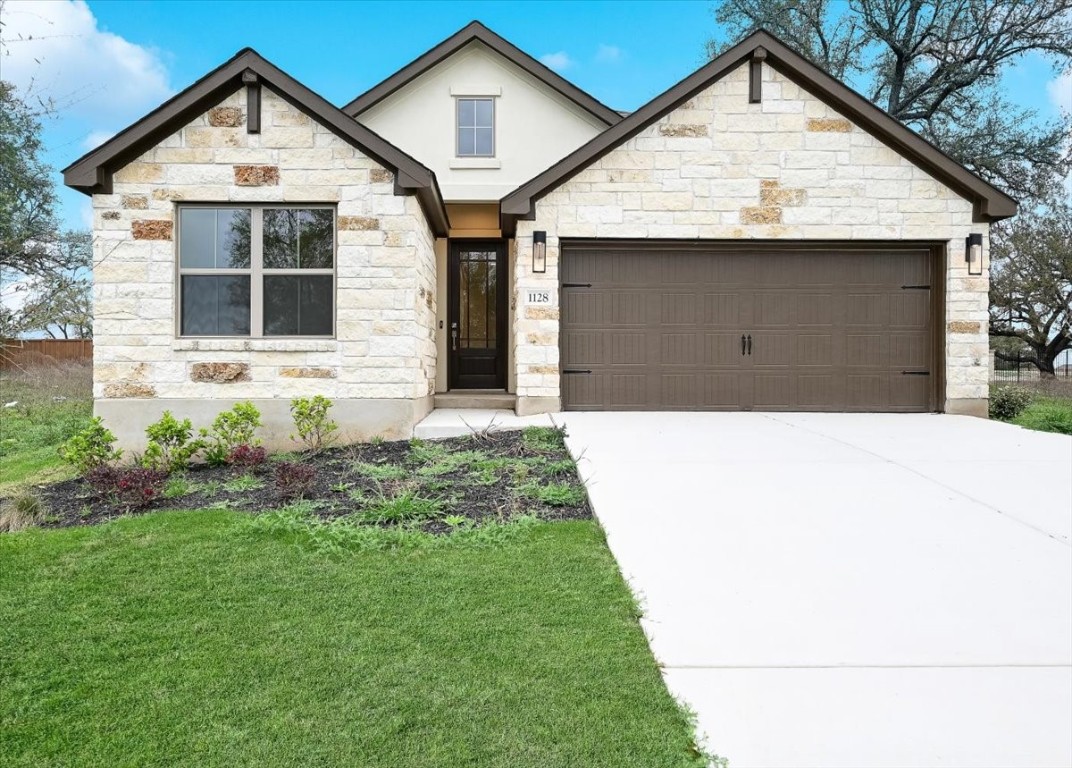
[
  {"x": 256, "y": 271},
  {"x": 475, "y": 127}
]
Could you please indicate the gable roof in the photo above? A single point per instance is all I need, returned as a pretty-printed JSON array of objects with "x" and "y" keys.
[
  {"x": 475, "y": 31},
  {"x": 92, "y": 173},
  {"x": 989, "y": 202}
]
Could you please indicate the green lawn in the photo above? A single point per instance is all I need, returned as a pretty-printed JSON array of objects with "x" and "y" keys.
[
  {"x": 1047, "y": 414},
  {"x": 187, "y": 638},
  {"x": 50, "y": 404}
]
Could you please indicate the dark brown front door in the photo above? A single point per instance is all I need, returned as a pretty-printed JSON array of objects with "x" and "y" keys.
[
  {"x": 663, "y": 327},
  {"x": 477, "y": 315}
]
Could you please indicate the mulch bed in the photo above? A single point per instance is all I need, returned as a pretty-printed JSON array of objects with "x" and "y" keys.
[{"x": 496, "y": 483}]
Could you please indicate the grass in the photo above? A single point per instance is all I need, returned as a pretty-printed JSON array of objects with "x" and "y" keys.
[
  {"x": 51, "y": 404},
  {"x": 1047, "y": 414},
  {"x": 188, "y": 638},
  {"x": 1050, "y": 409}
]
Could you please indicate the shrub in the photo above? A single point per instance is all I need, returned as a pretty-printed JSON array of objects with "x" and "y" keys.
[
  {"x": 293, "y": 480},
  {"x": 1008, "y": 402},
  {"x": 231, "y": 429},
  {"x": 23, "y": 511},
  {"x": 247, "y": 458},
  {"x": 170, "y": 447},
  {"x": 311, "y": 421},
  {"x": 91, "y": 448},
  {"x": 131, "y": 488}
]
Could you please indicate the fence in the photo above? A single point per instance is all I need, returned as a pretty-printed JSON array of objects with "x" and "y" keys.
[
  {"x": 21, "y": 353},
  {"x": 1018, "y": 370}
]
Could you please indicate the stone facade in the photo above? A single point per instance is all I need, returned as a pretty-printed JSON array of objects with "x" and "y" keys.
[
  {"x": 789, "y": 167},
  {"x": 383, "y": 353}
]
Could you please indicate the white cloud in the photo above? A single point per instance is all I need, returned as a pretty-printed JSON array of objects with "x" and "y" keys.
[
  {"x": 55, "y": 49},
  {"x": 608, "y": 54},
  {"x": 1060, "y": 91},
  {"x": 95, "y": 138},
  {"x": 557, "y": 61}
]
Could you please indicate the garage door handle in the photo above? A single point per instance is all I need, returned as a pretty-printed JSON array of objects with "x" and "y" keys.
[
  {"x": 742, "y": 344},
  {"x": 576, "y": 285},
  {"x": 574, "y": 370},
  {"x": 915, "y": 373},
  {"x": 749, "y": 345}
]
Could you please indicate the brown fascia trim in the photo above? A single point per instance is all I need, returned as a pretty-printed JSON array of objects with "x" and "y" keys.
[
  {"x": 92, "y": 173},
  {"x": 474, "y": 30},
  {"x": 989, "y": 202}
]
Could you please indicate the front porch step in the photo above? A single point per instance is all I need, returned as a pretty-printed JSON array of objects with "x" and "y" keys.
[
  {"x": 482, "y": 399},
  {"x": 454, "y": 422}
]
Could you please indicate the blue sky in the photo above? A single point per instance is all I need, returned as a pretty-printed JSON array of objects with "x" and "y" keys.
[{"x": 108, "y": 62}]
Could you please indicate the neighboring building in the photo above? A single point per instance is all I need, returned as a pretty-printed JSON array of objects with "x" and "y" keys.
[{"x": 756, "y": 237}]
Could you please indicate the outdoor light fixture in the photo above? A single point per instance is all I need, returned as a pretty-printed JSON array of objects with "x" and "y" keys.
[
  {"x": 973, "y": 253},
  {"x": 539, "y": 251}
]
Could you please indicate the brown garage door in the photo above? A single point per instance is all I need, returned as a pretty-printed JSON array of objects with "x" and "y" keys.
[{"x": 668, "y": 327}]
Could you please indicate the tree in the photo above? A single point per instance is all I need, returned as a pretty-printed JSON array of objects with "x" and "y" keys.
[
  {"x": 934, "y": 65},
  {"x": 1031, "y": 285},
  {"x": 57, "y": 302}
]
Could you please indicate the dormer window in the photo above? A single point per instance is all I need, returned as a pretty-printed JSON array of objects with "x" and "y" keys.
[{"x": 476, "y": 127}]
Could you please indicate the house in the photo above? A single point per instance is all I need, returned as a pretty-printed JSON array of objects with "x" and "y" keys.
[{"x": 477, "y": 229}]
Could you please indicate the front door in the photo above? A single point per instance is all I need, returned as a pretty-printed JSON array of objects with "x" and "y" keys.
[{"x": 477, "y": 315}]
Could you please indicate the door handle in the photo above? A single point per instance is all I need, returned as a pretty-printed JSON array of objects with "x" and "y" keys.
[
  {"x": 454, "y": 336},
  {"x": 749, "y": 345},
  {"x": 742, "y": 343}
]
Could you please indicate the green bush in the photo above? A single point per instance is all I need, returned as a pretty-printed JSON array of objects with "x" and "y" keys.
[
  {"x": 170, "y": 446},
  {"x": 230, "y": 429},
  {"x": 92, "y": 447},
  {"x": 1007, "y": 403},
  {"x": 311, "y": 421}
]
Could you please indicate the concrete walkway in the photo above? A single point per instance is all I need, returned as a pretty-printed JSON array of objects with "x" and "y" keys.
[{"x": 848, "y": 590}]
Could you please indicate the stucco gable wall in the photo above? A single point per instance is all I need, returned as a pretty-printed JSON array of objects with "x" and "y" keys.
[
  {"x": 718, "y": 167},
  {"x": 384, "y": 263},
  {"x": 534, "y": 125}
]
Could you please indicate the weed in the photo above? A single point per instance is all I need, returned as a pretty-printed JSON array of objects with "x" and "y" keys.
[
  {"x": 484, "y": 477},
  {"x": 451, "y": 462},
  {"x": 177, "y": 485},
  {"x": 553, "y": 494},
  {"x": 456, "y": 521},
  {"x": 341, "y": 487},
  {"x": 243, "y": 483},
  {"x": 377, "y": 440},
  {"x": 543, "y": 439},
  {"x": 403, "y": 506},
  {"x": 23, "y": 511},
  {"x": 380, "y": 471},
  {"x": 1047, "y": 416},
  {"x": 560, "y": 467},
  {"x": 424, "y": 452}
]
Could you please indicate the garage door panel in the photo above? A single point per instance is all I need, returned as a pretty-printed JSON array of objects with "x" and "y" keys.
[
  {"x": 678, "y": 349},
  {"x": 721, "y": 310},
  {"x": 661, "y": 328},
  {"x": 722, "y": 350},
  {"x": 679, "y": 309},
  {"x": 814, "y": 309},
  {"x": 584, "y": 348},
  {"x": 627, "y": 347}
]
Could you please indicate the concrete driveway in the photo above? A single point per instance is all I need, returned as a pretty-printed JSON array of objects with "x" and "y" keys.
[{"x": 848, "y": 590}]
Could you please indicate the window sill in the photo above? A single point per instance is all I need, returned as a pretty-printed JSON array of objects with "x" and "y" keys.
[
  {"x": 255, "y": 345},
  {"x": 475, "y": 162}
]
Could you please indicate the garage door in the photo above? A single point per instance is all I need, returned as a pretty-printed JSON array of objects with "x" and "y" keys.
[{"x": 652, "y": 326}]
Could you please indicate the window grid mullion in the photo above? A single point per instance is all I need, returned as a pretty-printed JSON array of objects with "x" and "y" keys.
[{"x": 256, "y": 260}]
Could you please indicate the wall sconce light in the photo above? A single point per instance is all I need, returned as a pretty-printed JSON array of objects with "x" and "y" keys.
[
  {"x": 973, "y": 253},
  {"x": 539, "y": 252}
]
